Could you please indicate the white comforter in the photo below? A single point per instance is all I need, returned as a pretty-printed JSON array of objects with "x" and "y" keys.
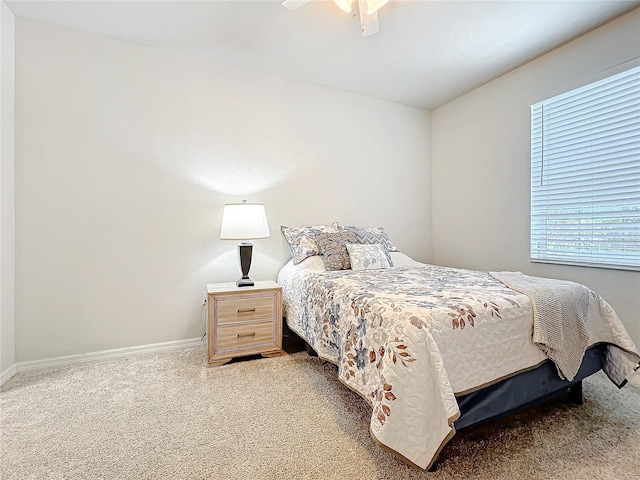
[{"x": 411, "y": 338}]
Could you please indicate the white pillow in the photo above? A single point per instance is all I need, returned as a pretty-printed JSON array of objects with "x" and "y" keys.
[
  {"x": 402, "y": 260},
  {"x": 365, "y": 256}
]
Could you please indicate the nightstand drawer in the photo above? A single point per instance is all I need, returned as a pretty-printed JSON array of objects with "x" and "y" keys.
[
  {"x": 236, "y": 308},
  {"x": 243, "y": 336}
]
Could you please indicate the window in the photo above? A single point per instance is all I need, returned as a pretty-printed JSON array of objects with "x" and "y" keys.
[{"x": 585, "y": 175}]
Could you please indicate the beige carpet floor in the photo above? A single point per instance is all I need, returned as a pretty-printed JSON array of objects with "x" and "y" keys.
[{"x": 167, "y": 416}]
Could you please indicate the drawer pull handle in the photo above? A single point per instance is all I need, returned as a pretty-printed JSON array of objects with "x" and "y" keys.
[
  {"x": 252, "y": 334},
  {"x": 246, "y": 310}
]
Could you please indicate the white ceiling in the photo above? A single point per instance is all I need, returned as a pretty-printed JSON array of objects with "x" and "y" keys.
[{"x": 426, "y": 53}]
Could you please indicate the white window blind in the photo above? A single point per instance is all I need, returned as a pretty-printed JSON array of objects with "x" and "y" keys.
[{"x": 585, "y": 175}]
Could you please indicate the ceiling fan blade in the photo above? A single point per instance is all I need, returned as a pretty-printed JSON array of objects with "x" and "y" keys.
[
  {"x": 368, "y": 21},
  {"x": 293, "y": 4}
]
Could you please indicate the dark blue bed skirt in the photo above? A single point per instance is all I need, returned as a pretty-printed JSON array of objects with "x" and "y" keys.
[{"x": 523, "y": 390}]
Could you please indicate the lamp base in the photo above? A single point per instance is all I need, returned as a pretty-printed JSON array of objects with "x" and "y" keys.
[
  {"x": 245, "y": 250},
  {"x": 245, "y": 282}
]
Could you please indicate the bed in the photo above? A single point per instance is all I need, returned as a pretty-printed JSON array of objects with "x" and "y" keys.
[{"x": 434, "y": 349}]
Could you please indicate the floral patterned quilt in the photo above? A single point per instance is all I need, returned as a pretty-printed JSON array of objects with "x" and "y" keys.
[{"x": 409, "y": 339}]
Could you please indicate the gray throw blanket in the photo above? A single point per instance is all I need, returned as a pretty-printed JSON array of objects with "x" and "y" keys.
[{"x": 559, "y": 317}]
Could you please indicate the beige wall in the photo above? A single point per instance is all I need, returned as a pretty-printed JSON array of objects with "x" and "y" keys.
[
  {"x": 481, "y": 165},
  {"x": 125, "y": 156},
  {"x": 7, "y": 223}
]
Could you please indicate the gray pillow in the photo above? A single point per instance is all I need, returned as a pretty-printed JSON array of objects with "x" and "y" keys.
[{"x": 334, "y": 249}]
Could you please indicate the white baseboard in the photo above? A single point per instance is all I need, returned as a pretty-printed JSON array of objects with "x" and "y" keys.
[
  {"x": 104, "y": 355},
  {"x": 7, "y": 374}
]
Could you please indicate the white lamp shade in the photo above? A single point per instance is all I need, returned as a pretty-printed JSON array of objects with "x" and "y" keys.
[{"x": 244, "y": 221}]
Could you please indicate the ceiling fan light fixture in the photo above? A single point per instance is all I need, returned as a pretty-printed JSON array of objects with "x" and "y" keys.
[
  {"x": 344, "y": 5},
  {"x": 293, "y": 4},
  {"x": 375, "y": 5},
  {"x": 368, "y": 11}
]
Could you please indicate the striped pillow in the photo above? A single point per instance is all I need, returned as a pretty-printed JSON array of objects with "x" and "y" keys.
[{"x": 372, "y": 235}]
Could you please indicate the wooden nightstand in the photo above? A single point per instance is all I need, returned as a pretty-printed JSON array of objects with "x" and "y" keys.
[{"x": 243, "y": 321}]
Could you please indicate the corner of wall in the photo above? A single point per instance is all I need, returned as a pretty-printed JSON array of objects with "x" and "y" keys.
[
  {"x": 8, "y": 374},
  {"x": 430, "y": 184},
  {"x": 7, "y": 202}
]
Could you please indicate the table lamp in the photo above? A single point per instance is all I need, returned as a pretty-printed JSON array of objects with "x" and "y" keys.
[{"x": 244, "y": 221}]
